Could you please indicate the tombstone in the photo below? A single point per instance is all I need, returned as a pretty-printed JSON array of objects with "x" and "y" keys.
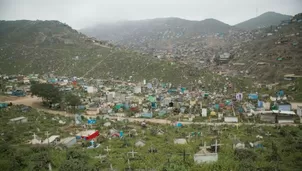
[
  {"x": 139, "y": 144},
  {"x": 204, "y": 112},
  {"x": 180, "y": 141}
]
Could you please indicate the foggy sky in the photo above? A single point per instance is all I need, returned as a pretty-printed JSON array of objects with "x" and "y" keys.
[{"x": 82, "y": 13}]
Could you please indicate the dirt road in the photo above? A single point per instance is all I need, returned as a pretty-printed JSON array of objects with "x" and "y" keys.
[{"x": 35, "y": 102}]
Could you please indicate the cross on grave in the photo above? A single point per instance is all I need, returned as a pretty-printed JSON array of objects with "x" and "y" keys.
[
  {"x": 132, "y": 153},
  {"x": 35, "y": 136},
  {"x": 184, "y": 154},
  {"x": 107, "y": 149},
  {"x": 216, "y": 145}
]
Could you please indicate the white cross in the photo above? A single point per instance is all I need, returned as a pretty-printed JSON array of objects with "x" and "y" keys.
[
  {"x": 35, "y": 136},
  {"x": 107, "y": 149},
  {"x": 132, "y": 153}
]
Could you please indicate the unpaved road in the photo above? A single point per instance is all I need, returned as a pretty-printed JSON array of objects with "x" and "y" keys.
[{"x": 35, "y": 102}]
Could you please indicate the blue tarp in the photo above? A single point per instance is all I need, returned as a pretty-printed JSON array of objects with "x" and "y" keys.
[
  {"x": 149, "y": 85},
  {"x": 91, "y": 121},
  {"x": 280, "y": 93},
  {"x": 260, "y": 104},
  {"x": 178, "y": 124},
  {"x": 183, "y": 89},
  {"x": 253, "y": 96},
  {"x": 121, "y": 133}
]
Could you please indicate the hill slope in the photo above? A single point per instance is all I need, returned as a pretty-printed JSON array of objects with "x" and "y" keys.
[
  {"x": 154, "y": 31},
  {"x": 41, "y": 47},
  {"x": 274, "y": 53},
  {"x": 265, "y": 20}
]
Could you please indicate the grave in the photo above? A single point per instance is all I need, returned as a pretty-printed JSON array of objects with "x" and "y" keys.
[{"x": 205, "y": 156}]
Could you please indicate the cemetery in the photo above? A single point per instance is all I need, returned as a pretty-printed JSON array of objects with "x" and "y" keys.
[
  {"x": 132, "y": 145},
  {"x": 150, "y": 125}
]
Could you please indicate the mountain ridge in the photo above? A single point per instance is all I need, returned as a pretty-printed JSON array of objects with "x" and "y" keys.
[{"x": 264, "y": 20}]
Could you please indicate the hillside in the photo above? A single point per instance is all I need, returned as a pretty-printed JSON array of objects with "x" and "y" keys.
[
  {"x": 25, "y": 52},
  {"x": 265, "y": 20},
  {"x": 154, "y": 33},
  {"x": 275, "y": 52}
]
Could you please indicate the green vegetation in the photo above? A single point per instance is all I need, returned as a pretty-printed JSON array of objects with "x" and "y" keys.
[
  {"x": 47, "y": 91},
  {"x": 281, "y": 146}
]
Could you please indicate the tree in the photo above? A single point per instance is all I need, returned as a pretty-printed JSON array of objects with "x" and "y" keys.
[
  {"x": 48, "y": 92},
  {"x": 72, "y": 100}
]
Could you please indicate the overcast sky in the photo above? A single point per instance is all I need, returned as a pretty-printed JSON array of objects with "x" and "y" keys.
[{"x": 83, "y": 13}]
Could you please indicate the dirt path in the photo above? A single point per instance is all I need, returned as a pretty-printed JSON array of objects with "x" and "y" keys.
[{"x": 35, "y": 102}]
